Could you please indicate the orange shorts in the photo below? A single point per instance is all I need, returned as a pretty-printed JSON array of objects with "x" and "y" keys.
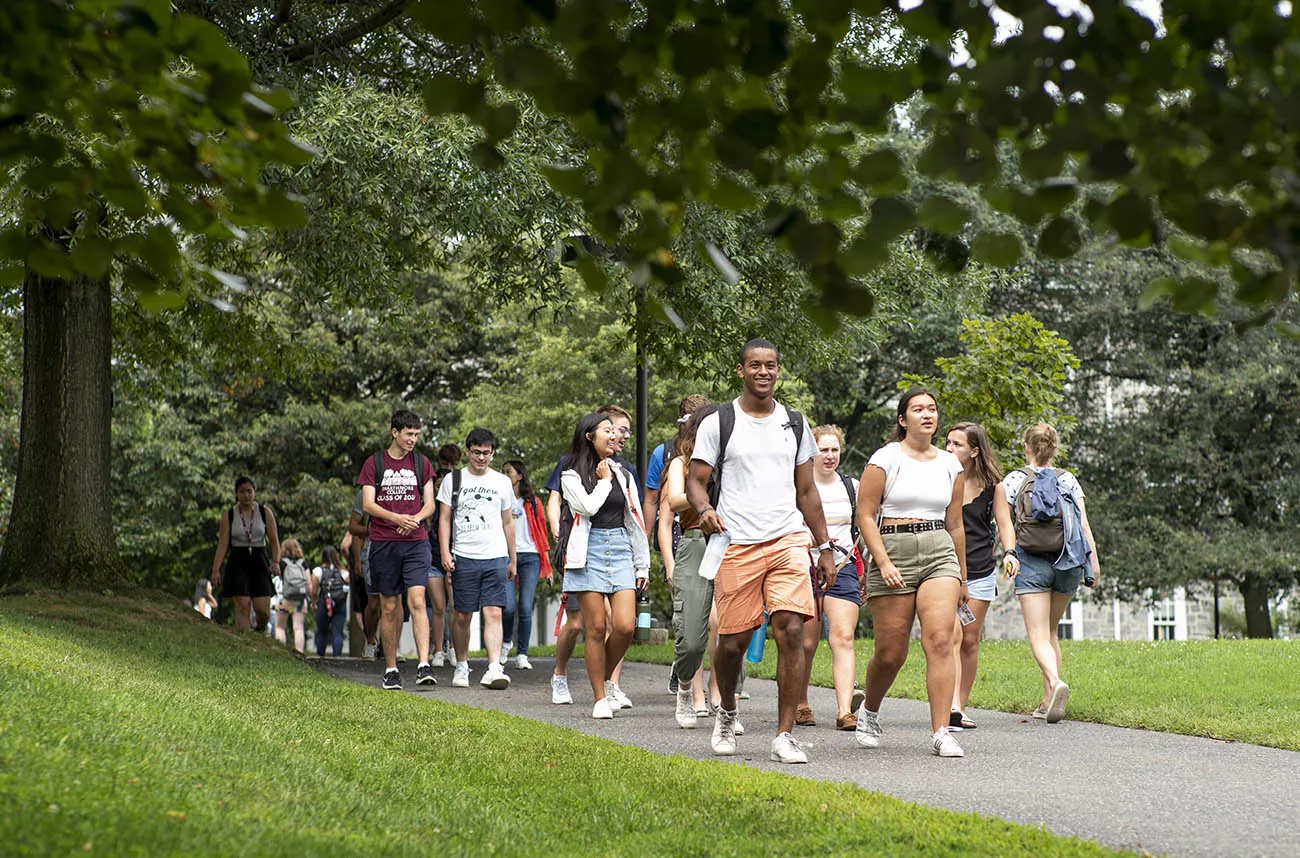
[{"x": 773, "y": 573}]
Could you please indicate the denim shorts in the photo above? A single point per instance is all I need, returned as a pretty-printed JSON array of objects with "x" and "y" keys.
[
  {"x": 609, "y": 564},
  {"x": 846, "y": 585},
  {"x": 476, "y": 584},
  {"x": 985, "y": 589},
  {"x": 1037, "y": 575},
  {"x": 436, "y": 572}
]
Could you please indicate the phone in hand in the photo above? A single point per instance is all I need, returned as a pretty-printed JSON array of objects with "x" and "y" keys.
[{"x": 965, "y": 614}]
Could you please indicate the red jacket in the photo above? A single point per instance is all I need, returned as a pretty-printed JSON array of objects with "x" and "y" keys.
[{"x": 536, "y": 523}]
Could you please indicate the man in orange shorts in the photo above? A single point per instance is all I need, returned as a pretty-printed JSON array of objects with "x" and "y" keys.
[{"x": 764, "y": 494}]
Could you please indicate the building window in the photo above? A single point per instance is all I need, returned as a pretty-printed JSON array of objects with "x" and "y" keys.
[
  {"x": 1167, "y": 618},
  {"x": 1069, "y": 628}
]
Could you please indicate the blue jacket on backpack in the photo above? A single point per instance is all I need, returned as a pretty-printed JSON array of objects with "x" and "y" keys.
[{"x": 1075, "y": 549}]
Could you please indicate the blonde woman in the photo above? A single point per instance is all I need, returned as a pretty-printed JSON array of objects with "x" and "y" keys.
[
  {"x": 294, "y": 590},
  {"x": 1046, "y": 582}
]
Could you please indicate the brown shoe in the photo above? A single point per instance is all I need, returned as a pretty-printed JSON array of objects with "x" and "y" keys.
[
  {"x": 803, "y": 716},
  {"x": 847, "y": 721}
]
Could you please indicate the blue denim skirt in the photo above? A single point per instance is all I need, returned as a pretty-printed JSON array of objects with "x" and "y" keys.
[{"x": 609, "y": 564}]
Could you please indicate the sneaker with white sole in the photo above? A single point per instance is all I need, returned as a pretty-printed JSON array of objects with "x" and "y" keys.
[
  {"x": 424, "y": 675},
  {"x": 944, "y": 744},
  {"x": 673, "y": 686},
  {"x": 495, "y": 677},
  {"x": 522, "y": 663},
  {"x": 602, "y": 710},
  {"x": 460, "y": 679},
  {"x": 392, "y": 680},
  {"x": 1056, "y": 705},
  {"x": 560, "y": 690},
  {"x": 868, "y": 732},
  {"x": 439, "y": 659},
  {"x": 740, "y": 728},
  {"x": 368, "y": 651},
  {"x": 724, "y": 733},
  {"x": 618, "y": 700},
  {"x": 859, "y": 697},
  {"x": 1040, "y": 713},
  {"x": 786, "y": 749},
  {"x": 685, "y": 709},
  {"x": 505, "y": 651}
]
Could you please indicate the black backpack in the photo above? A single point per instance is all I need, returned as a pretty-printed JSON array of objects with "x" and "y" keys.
[
  {"x": 332, "y": 585},
  {"x": 726, "y": 425}
]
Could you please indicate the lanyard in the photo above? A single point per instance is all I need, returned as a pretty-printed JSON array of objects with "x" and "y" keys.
[{"x": 248, "y": 527}]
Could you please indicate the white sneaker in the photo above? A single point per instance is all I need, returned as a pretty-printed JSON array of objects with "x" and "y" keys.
[
  {"x": 505, "y": 652},
  {"x": 460, "y": 679},
  {"x": 560, "y": 690},
  {"x": 740, "y": 728},
  {"x": 868, "y": 732},
  {"x": 944, "y": 745},
  {"x": 785, "y": 749},
  {"x": 602, "y": 710},
  {"x": 522, "y": 663},
  {"x": 685, "y": 709},
  {"x": 439, "y": 659},
  {"x": 368, "y": 651},
  {"x": 1056, "y": 706},
  {"x": 617, "y": 699},
  {"x": 495, "y": 677},
  {"x": 724, "y": 733}
]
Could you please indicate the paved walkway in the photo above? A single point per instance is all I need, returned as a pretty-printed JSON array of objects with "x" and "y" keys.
[{"x": 1129, "y": 789}]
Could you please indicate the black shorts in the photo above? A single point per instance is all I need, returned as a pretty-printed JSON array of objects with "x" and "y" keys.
[
  {"x": 359, "y": 598},
  {"x": 247, "y": 574}
]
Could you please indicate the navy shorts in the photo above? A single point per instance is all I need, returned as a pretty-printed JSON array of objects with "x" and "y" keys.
[
  {"x": 398, "y": 566},
  {"x": 476, "y": 584},
  {"x": 846, "y": 584}
]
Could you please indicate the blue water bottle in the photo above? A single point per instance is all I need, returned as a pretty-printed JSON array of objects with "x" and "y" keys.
[{"x": 757, "y": 642}]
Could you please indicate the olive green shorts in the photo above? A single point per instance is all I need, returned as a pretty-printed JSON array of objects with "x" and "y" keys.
[{"x": 919, "y": 557}]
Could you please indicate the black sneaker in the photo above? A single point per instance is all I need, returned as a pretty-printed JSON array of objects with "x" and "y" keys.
[
  {"x": 424, "y": 675},
  {"x": 954, "y": 721},
  {"x": 672, "y": 682},
  {"x": 392, "y": 680}
]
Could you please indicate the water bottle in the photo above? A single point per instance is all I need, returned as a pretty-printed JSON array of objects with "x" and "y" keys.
[
  {"x": 642, "y": 634},
  {"x": 757, "y": 642},
  {"x": 713, "y": 552}
]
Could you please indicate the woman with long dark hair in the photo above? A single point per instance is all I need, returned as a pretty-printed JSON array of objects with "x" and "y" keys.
[
  {"x": 909, "y": 514},
  {"x": 972, "y": 447},
  {"x": 329, "y": 590},
  {"x": 247, "y": 532},
  {"x": 531, "y": 548},
  {"x": 607, "y": 556}
]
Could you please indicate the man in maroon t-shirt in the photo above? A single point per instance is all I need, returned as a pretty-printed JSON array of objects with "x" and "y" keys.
[{"x": 399, "y": 543}]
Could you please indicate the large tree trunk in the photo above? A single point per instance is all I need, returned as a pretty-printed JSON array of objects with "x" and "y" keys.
[
  {"x": 61, "y": 528},
  {"x": 1255, "y": 592}
]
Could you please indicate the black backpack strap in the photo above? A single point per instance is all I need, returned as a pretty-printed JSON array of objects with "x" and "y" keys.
[
  {"x": 853, "y": 506},
  {"x": 379, "y": 471},
  {"x": 455, "y": 502},
  {"x": 797, "y": 425},
  {"x": 726, "y": 425},
  {"x": 418, "y": 460},
  {"x": 261, "y": 510}
]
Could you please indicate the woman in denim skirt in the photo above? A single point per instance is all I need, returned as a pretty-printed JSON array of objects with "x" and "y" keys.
[{"x": 607, "y": 556}]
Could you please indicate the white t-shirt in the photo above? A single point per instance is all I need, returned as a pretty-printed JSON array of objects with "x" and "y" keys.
[
  {"x": 839, "y": 514},
  {"x": 480, "y": 534},
  {"x": 316, "y": 573},
  {"x": 523, "y": 536},
  {"x": 757, "y": 501},
  {"x": 1012, "y": 482},
  {"x": 916, "y": 489}
]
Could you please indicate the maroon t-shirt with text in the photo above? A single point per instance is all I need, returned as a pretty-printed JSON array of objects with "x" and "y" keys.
[{"x": 398, "y": 494}]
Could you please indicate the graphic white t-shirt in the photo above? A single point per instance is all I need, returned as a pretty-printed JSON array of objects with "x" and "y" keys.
[
  {"x": 523, "y": 536},
  {"x": 915, "y": 489},
  {"x": 479, "y": 533},
  {"x": 757, "y": 501}
]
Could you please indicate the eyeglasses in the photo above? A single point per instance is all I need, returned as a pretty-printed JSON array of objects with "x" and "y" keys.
[
  {"x": 482, "y": 454},
  {"x": 622, "y": 431}
]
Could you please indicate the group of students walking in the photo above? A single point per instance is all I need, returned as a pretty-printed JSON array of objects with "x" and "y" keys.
[{"x": 758, "y": 529}]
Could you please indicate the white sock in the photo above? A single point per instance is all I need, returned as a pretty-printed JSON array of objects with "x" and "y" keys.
[{"x": 422, "y": 664}]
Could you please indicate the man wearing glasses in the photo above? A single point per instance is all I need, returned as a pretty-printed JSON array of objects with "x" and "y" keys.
[{"x": 477, "y": 534}]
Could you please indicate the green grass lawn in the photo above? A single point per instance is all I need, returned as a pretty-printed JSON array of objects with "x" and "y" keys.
[
  {"x": 131, "y": 726},
  {"x": 1227, "y": 689}
]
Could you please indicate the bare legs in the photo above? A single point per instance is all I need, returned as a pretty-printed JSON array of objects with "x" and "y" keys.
[
  {"x": 437, "y": 623},
  {"x": 842, "y": 623},
  {"x": 608, "y": 635},
  {"x": 261, "y": 605},
  {"x": 1043, "y": 612},
  {"x": 966, "y": 649},
  {"x": 935, "y": 603}
]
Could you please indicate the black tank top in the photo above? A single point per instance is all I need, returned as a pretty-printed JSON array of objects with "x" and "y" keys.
[
  {"x": 977, "y": 518},
  {"x": 610, "y": 514}
]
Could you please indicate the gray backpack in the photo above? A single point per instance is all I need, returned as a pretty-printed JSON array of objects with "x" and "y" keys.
[{"x": 293, "y": 578}]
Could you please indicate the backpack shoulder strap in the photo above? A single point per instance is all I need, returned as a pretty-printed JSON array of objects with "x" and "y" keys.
[
  {"x": 379, "y": 471},
  {"x": 797, "y": 425},
  {"x": 853, "y": 506},
  {"x": 726, "y": 425},
  {"x": 261, "y": 510},
  {"x": 417, "y": 460},
  {"x": 455, "y": 502}
]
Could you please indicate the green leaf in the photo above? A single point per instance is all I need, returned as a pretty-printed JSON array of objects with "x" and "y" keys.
[
  {"x": 1131, "y": 216},
  {"x": 1055, "y": 195},
  {"x": 1196, "y": 295},
  {"x": 451, "y": 21},
  {"x": 1061, "y": 238},
  {"x": 865, "y": 256},
  {"x": 570, "y": 181},
  {"x": 161, "y": 301},
  {"x": 1161, "y": 287},
  {"x": 997, "y": 249},
  {"x": 878, "y": 167},
  {"x": 890, "y": 217},
  {"x": 943, "y": 214},
  {"x": 91, "y": 255},
  {"x": 727, "y": 193},
  {"x": 447, "y": 93},
  {"x": 500, "y": 121}
]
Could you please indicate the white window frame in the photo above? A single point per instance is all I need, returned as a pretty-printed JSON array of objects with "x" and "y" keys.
[
  {"x": 1178, "y": 601},
  {"x": 1073, "y": 620}
]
